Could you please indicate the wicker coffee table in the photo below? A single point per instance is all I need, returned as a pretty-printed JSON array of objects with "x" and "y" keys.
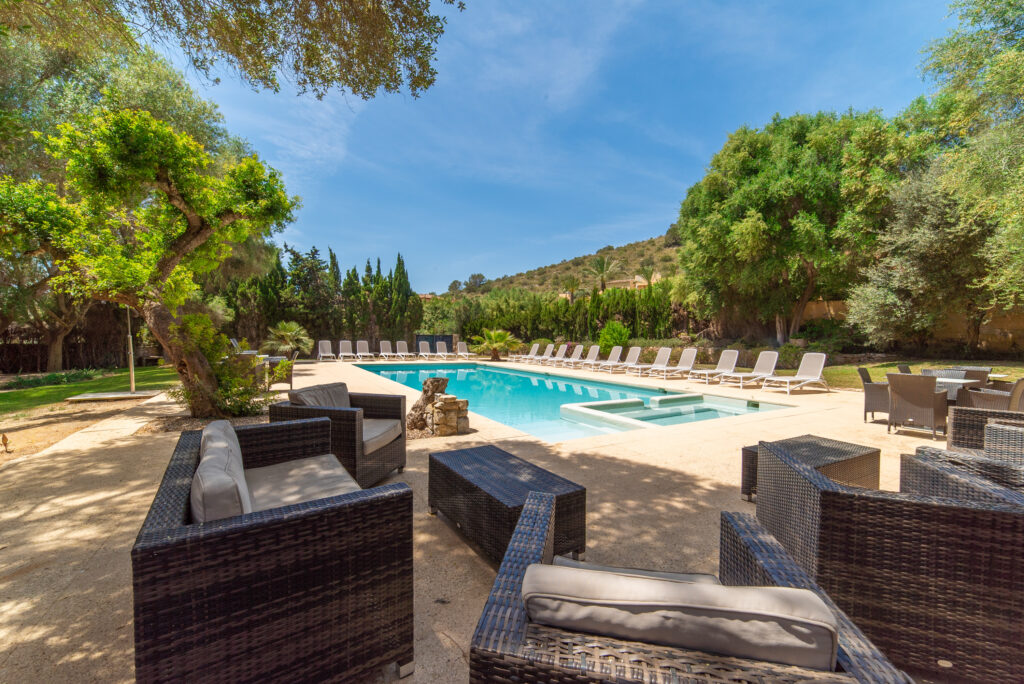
[
  {"x": 483, "y": 489},
  {"x": 842, "y": 462}
]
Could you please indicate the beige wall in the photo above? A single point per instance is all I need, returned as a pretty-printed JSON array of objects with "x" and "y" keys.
[{"x": 1003, "y": 332}]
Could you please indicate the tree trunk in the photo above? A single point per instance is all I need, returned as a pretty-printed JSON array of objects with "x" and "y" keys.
[
  {"x": 780, "y": 329},
  {"x": 55, "y": 350},
  {"x": 196, "y": 375},
  {"x": 974, "y": 331},
  {"x": 798, "y": 309}
]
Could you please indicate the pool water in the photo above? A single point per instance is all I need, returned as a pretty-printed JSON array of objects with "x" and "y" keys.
[{"x": 532, "y": 402}]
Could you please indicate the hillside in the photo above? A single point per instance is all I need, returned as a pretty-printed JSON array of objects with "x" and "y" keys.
[{"x": 657, "y": 251}]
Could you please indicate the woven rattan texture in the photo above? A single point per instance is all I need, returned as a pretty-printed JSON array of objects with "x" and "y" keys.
[
  {"x": 319, "y": 591},
  {"x": 506, "y": 647},
  {"x": 748, "y": 471},
  {"x": 347, "y": 433},
  {"x": 483, "y": 489},
  {"x": 967, "y": 426},
  {"x": 930, "y": 574}
]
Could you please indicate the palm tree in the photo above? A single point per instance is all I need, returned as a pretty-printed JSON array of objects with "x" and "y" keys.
[
  {"x": 571, "y": 284},
  {"x": 602, "y": 268},
  {"x": 647, "y": 273},
  {"x": 285, "y": 337},
  {"x": 495, "y": 342}
]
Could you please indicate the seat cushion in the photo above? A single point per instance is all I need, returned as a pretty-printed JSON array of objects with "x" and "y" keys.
[
  {"x": 378, "y": 432},
  {"x": 298, "y": 481},
  {"x": 219, "y": 488},
  {"x": 334, "y": 395},
  {"x": 566, "y": 562},
  {"x": 771, "y": 624}
]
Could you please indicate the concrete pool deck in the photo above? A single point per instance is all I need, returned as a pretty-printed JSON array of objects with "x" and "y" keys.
[{"x": 71, "y": 513}]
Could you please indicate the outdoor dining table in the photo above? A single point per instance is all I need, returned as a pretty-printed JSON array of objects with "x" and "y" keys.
[{"x": 953, "y": 385}]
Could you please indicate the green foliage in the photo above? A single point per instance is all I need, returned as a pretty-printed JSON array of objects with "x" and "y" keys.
[
  {"x": 789, "y": 356},
  {"x": 287, "y": 337},
  {"x": 603, "y": 267},
  {"x": 612, "y": 334},
  {"x": 64, "y": 378},
  {"x": 495, "y": 343},
  {"x": 358, "y": 47},
  {"x": 543, "y": 342}
]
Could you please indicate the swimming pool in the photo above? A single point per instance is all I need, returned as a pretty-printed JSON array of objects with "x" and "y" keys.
[{"x": 532, "y": 402}]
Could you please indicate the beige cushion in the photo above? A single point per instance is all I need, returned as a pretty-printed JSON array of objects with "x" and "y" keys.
[
  {"x": 219, "y": 489},
  {"x": 334, "y": 395},
  {"x": 773, "y": 624},
  {"x": 298, "y": 481},
  {"x": 378, "y": 432},
  {"x": 566, "y": 562}
]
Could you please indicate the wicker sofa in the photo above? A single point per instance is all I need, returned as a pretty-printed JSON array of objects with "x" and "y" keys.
[
  {"x": 933, "y": 577},
  {"x": 507, "y": 647},
  {"x": 349, "y": 438},
  {"x": 321, "y": 590}
]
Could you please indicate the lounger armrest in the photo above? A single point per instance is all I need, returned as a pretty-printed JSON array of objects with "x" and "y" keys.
[
  {"x": 502, "y": 626},
  {"x": 379, "y": 405},
  {"x": 750, "y": 556},
  {"x": 274, "y": 442}
]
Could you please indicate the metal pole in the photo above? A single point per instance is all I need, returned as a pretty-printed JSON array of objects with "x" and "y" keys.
[{"x": 131, "y": 353}]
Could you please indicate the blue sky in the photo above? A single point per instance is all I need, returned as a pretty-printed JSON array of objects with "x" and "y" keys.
[{"x": 555, "y": 128}]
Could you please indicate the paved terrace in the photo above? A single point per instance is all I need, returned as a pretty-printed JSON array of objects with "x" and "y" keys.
[{"x": 70, "y": 515}]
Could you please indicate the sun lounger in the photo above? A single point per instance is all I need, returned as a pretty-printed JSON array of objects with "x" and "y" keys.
[
  {"x": 517, "y": 358},
  {"x": 402, "y": 350},
  {"x": 569, "y": 361},
  {"x": 324, "y": 351},
  {"x": 764, "y": 367},
  {"x": 612, "y": 360},
  {"x": 425, "y": 350},
  {"x": 809, "y": 373},
  {"x": 363, "y": 350},
  {"x": 385, "y": 350},
  {"x": 685, "y": 364},
  {"x": 660, "y": 363},
  {"x": 546, "y": 355},
  {"x": 462, "y": 351},
  {"x": 592, "y": 357},
  {"x": 442, "y": 350},
  {"x": 557, "y": 358},
  {"x": 345, "y": 350},
  {"x": 726, "y": 364},
  {"x": 632, "y": 356}
]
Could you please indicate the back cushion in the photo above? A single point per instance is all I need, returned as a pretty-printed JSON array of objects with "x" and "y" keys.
[
  {"x": 772, "y": 624},
  {"x": 219, "y": 489},
  {"x": 334, "y": 395}
]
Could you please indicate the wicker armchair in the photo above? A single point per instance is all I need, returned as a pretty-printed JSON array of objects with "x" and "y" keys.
[
  {"x": 315, "y": 591},
  {"x": 1010, "y": 400},
  {"x": 967, "y": 426},
  {"x": 914, "y": 402},
  {"x": 507, "y": 647},
  {"x": 347, "y": 433},
  {"x": 876, "y": 395},
  {"x": 933, "y": 578}
]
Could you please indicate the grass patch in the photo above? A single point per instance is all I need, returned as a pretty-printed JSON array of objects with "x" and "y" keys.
[
  {"x": 846, "y": 375},
  {"x": 150, "y": 378},
  {"x": 65, "y": 378}
]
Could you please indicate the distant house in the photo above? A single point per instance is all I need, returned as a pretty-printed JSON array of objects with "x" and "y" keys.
[
  {"x": 634, "y": 283},
  {"x": 426, "y": 297}
]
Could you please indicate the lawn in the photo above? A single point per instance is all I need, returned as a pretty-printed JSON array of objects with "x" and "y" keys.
[
  {"x": 150, "y": 378},
  {"x": 846, "y": 375}
]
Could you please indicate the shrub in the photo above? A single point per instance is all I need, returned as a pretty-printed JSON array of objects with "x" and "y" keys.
[
  {"x": 543, "y": 342},
  {"x": 790, "y": 355},
  {"x": 64, "y": 378},
  {"x": 613, "y": 333}
]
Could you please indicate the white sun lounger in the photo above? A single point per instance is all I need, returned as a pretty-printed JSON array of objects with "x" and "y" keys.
[
  {"x": 660, "y": 363},
  {"x": 442, "y": 350},
  {"x": 385, "y": 350},
  {"x": 363, "y": 350},
  {"x": 764, "y": 367},
  {"x": 425, "y": 350},
  {"x": 592, "y": 357},
  {"x": 345, "y": 350},
  {"x": 632, "y": 356},
  {"x": 557, "y": 358},
  {"x": 402, "y": 350},
  {"x": 573, "y": 359},
  {"x": 462, "y": 351},
  {"x": 545, "y": 356},
  {"x": 524, "y": 357},
  {"x": 726, "y": 364},
  {"x": 685, "y": 364},
  {"x": 611, "y": 361},
  {"x": 812, "y": 364},
  {"x": 324, "y": 351}
]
